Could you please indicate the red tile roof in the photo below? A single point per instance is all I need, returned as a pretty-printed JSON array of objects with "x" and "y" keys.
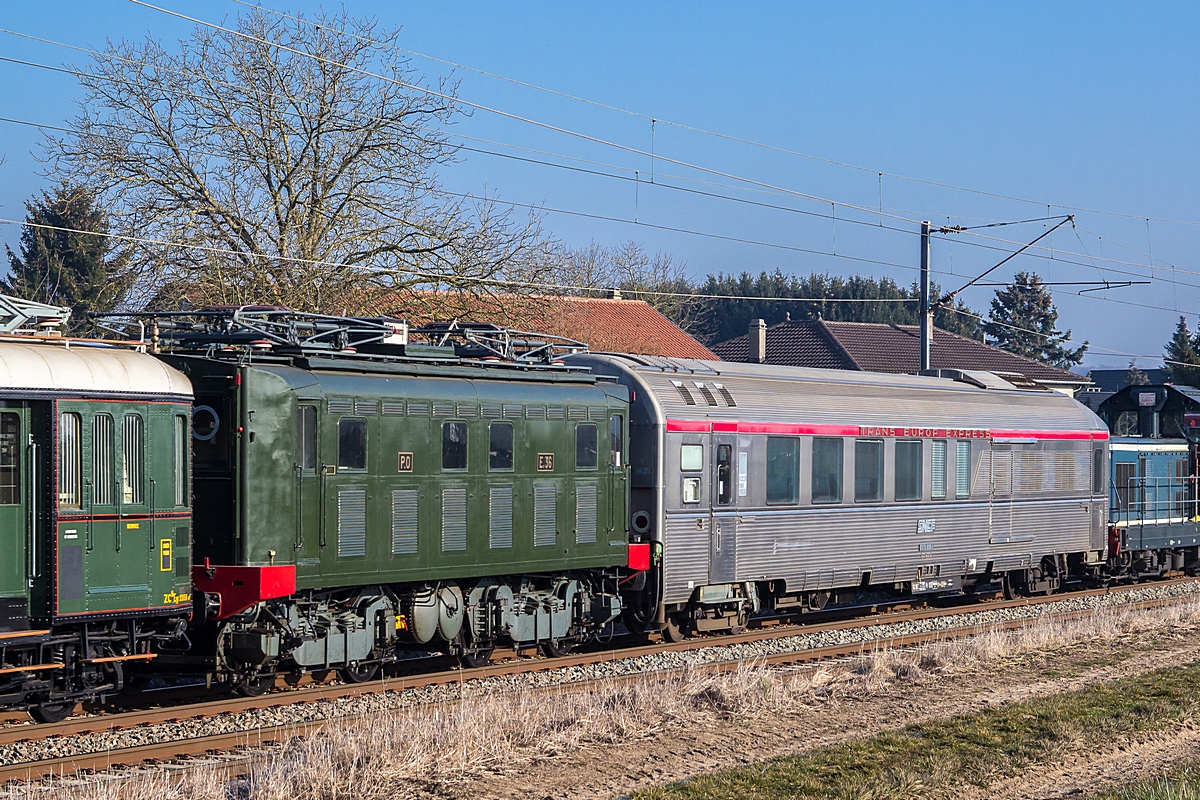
[
  {"x": 875, "y": 347},
  {"x": 606, "y": 325}
]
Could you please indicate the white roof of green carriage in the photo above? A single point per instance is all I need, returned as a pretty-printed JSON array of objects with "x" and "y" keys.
[{"x": 66, "y": 366}]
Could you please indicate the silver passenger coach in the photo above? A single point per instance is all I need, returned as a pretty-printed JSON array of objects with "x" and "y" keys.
[{"x": 773, "y": 487}]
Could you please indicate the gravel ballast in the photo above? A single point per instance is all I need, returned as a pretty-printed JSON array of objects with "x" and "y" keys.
[{"x": 332, "y": 708}]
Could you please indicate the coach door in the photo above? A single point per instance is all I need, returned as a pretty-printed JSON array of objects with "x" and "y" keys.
[
  {"x": 15, "y": 513},
  {"x": 722, "y": 564}
]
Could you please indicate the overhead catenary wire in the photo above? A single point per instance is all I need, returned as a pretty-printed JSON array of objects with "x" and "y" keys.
[{"x": 657, "y": 119}]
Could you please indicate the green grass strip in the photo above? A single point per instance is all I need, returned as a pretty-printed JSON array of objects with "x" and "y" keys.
[
  {"x": 938, "y": 759},
  {"x": 1181, "y": 783}
]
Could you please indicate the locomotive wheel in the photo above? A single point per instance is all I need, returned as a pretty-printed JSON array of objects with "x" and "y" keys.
[
  {"x": 255, "y": 686},
  {"x": 555, "y": 648},
  {"x": 673, "y": 633},
  {"x": 52, "y": 712},
  {"x": 358, "y": 673},
  {"x": 475, "y": 658}
]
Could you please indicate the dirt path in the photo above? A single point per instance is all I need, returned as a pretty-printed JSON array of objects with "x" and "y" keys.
[{"x": 712, "y": 743}]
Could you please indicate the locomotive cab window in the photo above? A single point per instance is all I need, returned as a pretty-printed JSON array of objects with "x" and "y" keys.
[
  {"x": 352, "y": 444},
  {"x": 306, "y": 438},
  {"x": 724, "y": 474},
  {"x": 783, "y": 465},
  {"x": 868, "y": 470},
  {"x": 10, "y": 459},
  {"x": 908, "y": 470},
  {"x": 691, "y": 457},
  {"x": 615, "y": 440},
  {"x": 70, "y": 460},
  {"x": 500, "y": 446},
  {"x": 454, "y": 445},
  {"x": 131, "y": 459},
  {"x": 827, "y": 470},
  {"x": 587, "y": 455}
]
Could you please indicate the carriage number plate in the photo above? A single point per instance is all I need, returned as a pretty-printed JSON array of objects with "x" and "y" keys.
[
  {"x": 404, "y": 462},
  {"x": 545, "y": 462}
]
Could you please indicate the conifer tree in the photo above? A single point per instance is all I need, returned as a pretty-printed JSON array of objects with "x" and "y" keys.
[
  {"x": 1135, "y": 376},
  {"x": 1182, "y": 360},
  {"x": 1023, "y": 322},
  {"x": 65, "y": 259}
]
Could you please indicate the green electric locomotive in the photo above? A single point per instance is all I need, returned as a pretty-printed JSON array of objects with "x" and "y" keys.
[{"x": 359, "y": 494}]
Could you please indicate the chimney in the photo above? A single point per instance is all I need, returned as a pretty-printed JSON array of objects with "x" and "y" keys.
[
  {"x": 614, "y": 293},
  {"x": 758, "y": 340}
]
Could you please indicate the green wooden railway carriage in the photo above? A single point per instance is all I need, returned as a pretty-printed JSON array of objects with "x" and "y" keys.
[
  {"x": 374, "y": 494},
  {"x": 95, "y": 518}
]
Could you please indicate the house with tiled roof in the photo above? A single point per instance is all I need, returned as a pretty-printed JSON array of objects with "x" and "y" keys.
[
  {"x": 606, "y": 324},
  {"x": 876, "y": 347}
]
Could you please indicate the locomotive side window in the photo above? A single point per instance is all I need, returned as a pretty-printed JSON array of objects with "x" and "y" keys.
[
  {"x": 827, "y": 470},
  {"x": 615, "y": 429},
  {"x": 103, "y": 455},
  {"x": 1098, "y": 471},
  {"x": 691, "y": 457},
  {"x": 937, "y": 471},
  {"x": 131, "y": 459},
  {"x": 181, "y": 461},
  {"x": 962, "y": 468},
  {"x": 908, "y": 470},
  {"x": 783, "y": 465},
  {"x": 10, "y": 459},
  {"x": 69, "y": 459},
  {"x": 500, "y": 446},
  {"x": 1126, "y": 483},
  {"x": 352, "y": 444},
  {"x": 587, "y": 454},
  {"x": 306, "y": 438},
  {"x": 868, "y": 470},
  {"x": 724, "y": 474},
  {"x": 454, "y": 445}
]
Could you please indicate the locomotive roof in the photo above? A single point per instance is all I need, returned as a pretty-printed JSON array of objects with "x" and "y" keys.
[
  {"x": 976, "y": 400},
  {"x": 62, "y": 366}
]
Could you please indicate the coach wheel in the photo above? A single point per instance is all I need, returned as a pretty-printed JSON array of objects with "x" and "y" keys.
[
  {"x": 52, "y": 712},
  {"x": 555, "y": 648},
  {"x": 674, "y": 631},
  {"x": 359, "y": 673},
  {"x": 475, "y": 658},
  {"x": 255, "y": 686}
]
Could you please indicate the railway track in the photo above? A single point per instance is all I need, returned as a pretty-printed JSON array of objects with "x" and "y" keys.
[{"x": 184, "y": 750}]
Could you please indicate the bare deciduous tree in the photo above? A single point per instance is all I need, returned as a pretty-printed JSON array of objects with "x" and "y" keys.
[
  {"x": 291, "y": 162},
  {"x": 658, "y": 279}
]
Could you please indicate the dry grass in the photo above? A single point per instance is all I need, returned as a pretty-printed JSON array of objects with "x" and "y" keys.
[{"x": 383, "y": 755}]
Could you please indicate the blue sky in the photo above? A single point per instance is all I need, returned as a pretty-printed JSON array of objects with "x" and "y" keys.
[{"x": 1090, "y": 105}]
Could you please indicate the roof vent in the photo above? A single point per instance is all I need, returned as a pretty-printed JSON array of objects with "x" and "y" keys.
[
  {"x": 729, "y": 401},
  {"x": 684, "y": 393},
  {"x": 708, "y": 395}
]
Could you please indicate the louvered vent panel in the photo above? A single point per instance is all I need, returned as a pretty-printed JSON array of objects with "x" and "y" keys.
[
  {"x": 585, "y": 514},
  {"x": 418, "y": 409},
  {"x": 393, "y": 407},
  {"x": 443, "y": 409},
  {"x": 366, "y": 407},
  {"x": 1001, "y": 473},
  {"x": 513, "y": 412},
  {"x": 596, "y": 414},
  {"x": 704, "y": 390},
  {"x": 556, "y": 413},
  {"x": 937, "y": 471},
  {"x": 490, "y": 412},
  {"x": 467, "y": 411},
  {"x": 500, "y": 517},
  {"x": 454, "y": 520},
  {"x": 1083, "y": 472},
  {"x": 575, "y": 413},
  {"x": 535, "y": 412},
  {"x": 729, "y": 401},
  {"x": 352, "y": 523},
  {"x": 545, "y": 516},
  {"x": 340, "y": 406},
  {"x": 684, "y": 393},
  {"x": 404, "y": 522},
  {"x": 1027, "y": 472}
]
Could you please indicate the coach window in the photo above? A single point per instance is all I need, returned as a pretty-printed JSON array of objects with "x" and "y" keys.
[
  {"x": 827, "y": 470},
  {"x": 691, "y": 457},
  {"x": 10, "y": 459},
  {"x": 131, "y": 459},
  {"x": 454, "y": 445},
  {"x": 724, "y": 474},
  {"x": 500, "y": 446},
  {"x": 937, "y": 471},
  {"x": 306, "y": 438},
  {"x": 181, "y": 461},
  {"x": 962, "y": 470},
  {"x": 587, "y": 455},
  {"x": 615, "y": 440},
  {"x": 103, "y": 458},
  {"x": 1097, "y": 471},
  {"x": 69, "y": 460},
  {"x": 868, "y": 470},
  {"x": 783, "y": 465},
  {"x": 352, "y": 444},
  {"x": 908, "y": 470}
]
